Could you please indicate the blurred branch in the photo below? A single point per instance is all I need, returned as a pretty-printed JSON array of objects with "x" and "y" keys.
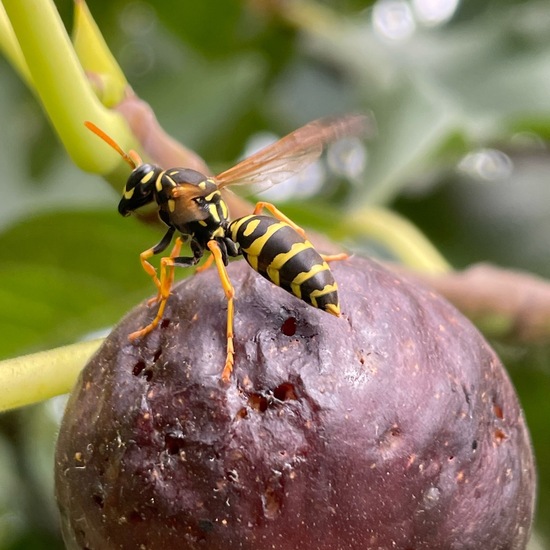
[{"x": 505, "y": 304}]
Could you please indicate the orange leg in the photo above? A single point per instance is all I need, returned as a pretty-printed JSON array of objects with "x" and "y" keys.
[
  {"x": 279, "y": 215},
  {"x": 335, "y": 257},
  {"x": 206, "y": 265},
  {"x": 165, "y": 284},
  {"x": 173, "y": 254},
  {"x": 229, "y": 294},
  {"x": 148, "y": 268}
]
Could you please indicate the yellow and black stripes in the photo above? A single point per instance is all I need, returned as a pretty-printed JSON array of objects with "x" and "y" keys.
[{"x": 280, "y": 254}]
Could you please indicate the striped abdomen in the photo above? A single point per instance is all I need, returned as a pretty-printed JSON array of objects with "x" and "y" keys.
[{"x": 276, "y": 251}]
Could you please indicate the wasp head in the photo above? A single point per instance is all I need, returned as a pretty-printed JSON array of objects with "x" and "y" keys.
[{"x": 139, "y": 189}]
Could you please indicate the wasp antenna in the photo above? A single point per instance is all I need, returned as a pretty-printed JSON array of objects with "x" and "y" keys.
[{"x": 132, "y": 158}]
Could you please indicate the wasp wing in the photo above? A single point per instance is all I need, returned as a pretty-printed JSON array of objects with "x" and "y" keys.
[{"x": 292, "y": 153}]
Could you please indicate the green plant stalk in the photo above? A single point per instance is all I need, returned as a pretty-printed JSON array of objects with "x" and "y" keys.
[
  {"x": 10, "y": 47},
  {"x": 61, "y": 84},
  {"x": 397, "y": 235},
  {"x": 96, "y": 57},
  {"x": 39, "y": 376}
]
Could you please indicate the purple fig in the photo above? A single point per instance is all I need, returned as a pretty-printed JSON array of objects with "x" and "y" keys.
[{"x": 394, "y": 426}]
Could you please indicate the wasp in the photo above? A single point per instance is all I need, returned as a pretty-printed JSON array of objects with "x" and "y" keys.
[{"x": 191, "y": 205}]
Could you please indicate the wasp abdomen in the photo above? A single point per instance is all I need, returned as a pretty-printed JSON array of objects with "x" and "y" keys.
[{"x": 280, "y": 254}]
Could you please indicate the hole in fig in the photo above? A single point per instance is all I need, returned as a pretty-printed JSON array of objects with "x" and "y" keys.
[
  {"x": 285, "y": 392},
  {"x": 148, "y": 374},
  {"x": 98, "y": 499},
  {"x": 242, "y": 413},
  {"x": 258, "y": 402},
  {"x": 165, "y": 323},
  {"x": 390, "y": 439},
  {"x": 451, "y": 458},
  {"x": 474, "y": 445},
  {"x": 271, "y": 503},
  {"x": 135, "y": 517},
  {"x": 205, "y": 525},
  {"x": 288, "y": 328},
  {"x": 138, "y": 368},
  {"x": 497, "y": 409},
  {"x": 466, "y": 394},
  {"x": 500, "y": 436},
  {"x": 157, "y": 355},
  {"x": 174, "y": 442},
  {"x": 395, "y": 431}
]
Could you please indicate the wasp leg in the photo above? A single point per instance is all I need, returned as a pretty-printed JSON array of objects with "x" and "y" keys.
[
  {"x": 167, "y": 265},
  {"x": 173, "y": 254},
  {"x": 206, "y": 265},
  {"x": 157, "y": 249},
  {"x": 334, "y": 257},
  {"x": 229, "y": 294},
  {"x": 279, "y": 215}
]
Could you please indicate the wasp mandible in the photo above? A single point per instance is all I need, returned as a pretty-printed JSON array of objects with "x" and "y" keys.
[{"x": 192, "y": 207}]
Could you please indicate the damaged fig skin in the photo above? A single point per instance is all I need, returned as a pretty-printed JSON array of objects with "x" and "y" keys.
[{"x": 394, "y": 426}]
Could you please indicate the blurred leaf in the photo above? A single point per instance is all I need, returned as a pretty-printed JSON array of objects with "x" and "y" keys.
[
  {"x": 11, "y": 517},
  {"x": 65, "y": 274},
  {"x": 530, "y": 373},
  {"x": 201, "y": 102},
  {"x": 484, "y": 79}
]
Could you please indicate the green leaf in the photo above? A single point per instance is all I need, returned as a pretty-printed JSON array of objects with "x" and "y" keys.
[{"x": 67, "y": 273}]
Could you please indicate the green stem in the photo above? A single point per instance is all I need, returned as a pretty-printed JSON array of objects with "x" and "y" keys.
[
  {"x": 60, "y": 81},
  {"x": 10, "y": 48},
  {"x": 32, "y": 378},
  {"x": 399, "y": 236}
]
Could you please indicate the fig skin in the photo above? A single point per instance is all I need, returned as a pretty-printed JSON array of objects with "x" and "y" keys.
[{"x": 394, "y": 426}]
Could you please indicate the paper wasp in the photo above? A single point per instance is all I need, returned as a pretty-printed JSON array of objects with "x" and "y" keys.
[{"x": 191, "y": 205}]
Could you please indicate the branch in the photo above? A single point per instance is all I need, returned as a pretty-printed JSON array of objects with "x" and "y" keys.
[{"x": 507, "y": 304}]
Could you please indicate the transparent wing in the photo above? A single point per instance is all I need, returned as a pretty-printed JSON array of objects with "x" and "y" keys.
[{"x": 291, "y": 154}]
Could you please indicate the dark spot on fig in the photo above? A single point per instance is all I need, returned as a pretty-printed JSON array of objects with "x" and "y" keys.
[
  {"x": 391, "y": 439},
  {"x": 285, "y": 392},
  {"x": 258, "y": 402},
  {"x": 157, "y": 355},
  {"x": 242, "y": 413},
  {"x": 138, "y": 368},
  {"x": 497, "y": 409},
  {"x": 174, "y": 442},
  {"x": 474, "y": 445},
  {"x": 148, "y": 374},
  {"x": 205, "y": 525},
  {"x": 500, "y": 436},
  {"x": 135, "y": 517},
  {"x": 98, "y": 499},
  {"x": 288, "y": 328},
  {"x": 165, "y": 323},
  {"x": 466, "y": 394},
  {"x": 271, "y": 503}
]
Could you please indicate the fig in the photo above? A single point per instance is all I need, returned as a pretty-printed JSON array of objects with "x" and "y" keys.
[{"x": 394, "y": 426}]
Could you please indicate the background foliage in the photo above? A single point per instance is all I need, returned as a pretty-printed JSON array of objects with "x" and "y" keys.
[{"x": 218, "y": 72}]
